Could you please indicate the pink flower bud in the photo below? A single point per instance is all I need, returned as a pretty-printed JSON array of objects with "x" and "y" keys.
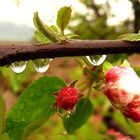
[{"x": 122, "y": 88}]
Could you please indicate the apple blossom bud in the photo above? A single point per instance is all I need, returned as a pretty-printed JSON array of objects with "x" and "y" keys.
[{"x": 122, "y": 88}]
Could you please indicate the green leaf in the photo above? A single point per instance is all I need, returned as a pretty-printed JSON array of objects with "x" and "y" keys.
[
  {"x": 130, "y": 37},
  {"x": 33, "y": 108},
  {"x": 4, "y": 137},
  {"x": 41, "y": 38},
  {"x": 125, "y": 63},
  {"x": 106, "y": 66},
  {"x": 72, "y": 36},
  {"x": 2, "y": 114},
  {"x": 44, "y": 29},
  {"x": 76, "y": 74},
  {"x": 84, "y": 110},
  {"x": 137, "y": 70},
  {"x": 63, "y": 17},
  {"x": 54, "y": 28}
]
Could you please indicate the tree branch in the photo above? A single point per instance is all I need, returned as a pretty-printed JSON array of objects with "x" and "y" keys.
[{"x": 20, "y": 52}]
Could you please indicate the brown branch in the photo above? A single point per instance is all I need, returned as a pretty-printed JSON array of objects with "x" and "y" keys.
[{"x": 19, "y": 52}]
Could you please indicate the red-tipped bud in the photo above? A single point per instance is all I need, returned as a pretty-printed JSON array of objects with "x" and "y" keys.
[
  {"x": 122, "y": 88},
  {"x": 67, "y": 98}
]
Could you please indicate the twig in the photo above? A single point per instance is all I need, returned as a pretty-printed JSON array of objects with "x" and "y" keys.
[{"x": 20, "y": 52}]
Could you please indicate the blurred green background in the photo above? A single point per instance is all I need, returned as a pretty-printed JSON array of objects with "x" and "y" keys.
[{"x": 97, "y": 22}]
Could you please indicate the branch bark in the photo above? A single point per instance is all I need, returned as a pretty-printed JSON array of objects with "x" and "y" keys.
[{"x": 10, "y": 53}]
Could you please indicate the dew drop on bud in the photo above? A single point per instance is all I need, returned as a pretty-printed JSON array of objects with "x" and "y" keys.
[
  {"x": 96, "y": 60},
  {"x": 65, "y": 113},
  {"x": 18, "y": 67},
  {"x": 41, "y": 65}
]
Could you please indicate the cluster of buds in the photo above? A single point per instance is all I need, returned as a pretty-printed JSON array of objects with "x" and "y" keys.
[{"x": 122, "y": 88}]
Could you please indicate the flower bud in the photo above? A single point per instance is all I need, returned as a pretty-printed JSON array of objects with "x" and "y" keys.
[
  {"x": 67, "y": 98},
  {"x": 122, "y": 88}
]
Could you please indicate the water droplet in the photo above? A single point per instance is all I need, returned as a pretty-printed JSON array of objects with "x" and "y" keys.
[
  {"x": 65, "y": 113},
  {"x": 96, "y": 60},
  {"x": 18, "y": 67},
  {"x": 41, "y": 65}
]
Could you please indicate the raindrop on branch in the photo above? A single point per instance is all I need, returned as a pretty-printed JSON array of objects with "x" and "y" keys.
[
  {"x": 41, "y": 65},
  {"x": 18, "y": 67},
  {"x": 96, "y": 60}
]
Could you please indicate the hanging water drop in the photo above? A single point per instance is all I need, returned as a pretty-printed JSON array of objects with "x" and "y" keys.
[
  {"x": 96, "y": 60},
  {"x": 18, "y": 67},
  {"x": 41, "y": 65},
  {"x": 65, "y": 113}
]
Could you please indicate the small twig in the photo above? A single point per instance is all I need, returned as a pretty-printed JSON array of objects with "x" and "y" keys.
[{"x": 20, "y": 52}]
